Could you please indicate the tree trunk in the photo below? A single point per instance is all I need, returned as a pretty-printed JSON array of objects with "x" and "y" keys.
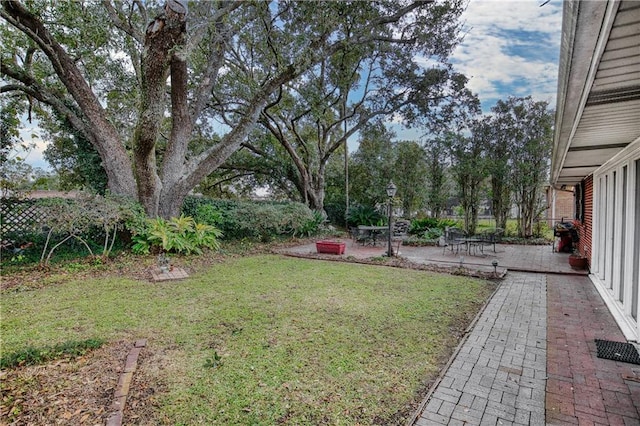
[
  {"x": 171, "y": 201},
  {"x": 93, "y": 122}
]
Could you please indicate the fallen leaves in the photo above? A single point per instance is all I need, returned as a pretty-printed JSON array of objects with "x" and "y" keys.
[{"x": 76, "y": 392}]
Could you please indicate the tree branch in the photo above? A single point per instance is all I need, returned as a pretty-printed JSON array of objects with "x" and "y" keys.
[{"x": 117, "y": 20}]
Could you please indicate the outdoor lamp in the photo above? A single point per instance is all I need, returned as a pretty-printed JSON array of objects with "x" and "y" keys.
[
  {"x": 495, "y": 268},
  {"x": 391, "y": 192}
]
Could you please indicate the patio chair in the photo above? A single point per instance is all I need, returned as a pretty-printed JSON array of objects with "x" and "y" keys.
[
  {"x": 359, "y": 235},
  {"x": 400, "y": 233},
  {"x": 454, "y": 238},
  {"x": 489, "y": 237}
]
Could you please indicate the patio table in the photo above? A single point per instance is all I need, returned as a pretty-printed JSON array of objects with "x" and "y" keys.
[
  {"x": 370, "y": 234},
  {"x": 473, "y": 243}
]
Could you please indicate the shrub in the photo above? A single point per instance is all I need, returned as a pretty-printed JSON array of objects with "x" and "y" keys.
[
  {"x": 311, "y": 227},
  {"x": 335, "y": 213},
  {"x": 179, "y": 235},
  {"x": 250, "y": 220},
  {"x": 92, "y": 221},
  {"x": 364, "y": 215},
  {"x": 208, "y": 214},
  {"x": 420, "y": 226}
]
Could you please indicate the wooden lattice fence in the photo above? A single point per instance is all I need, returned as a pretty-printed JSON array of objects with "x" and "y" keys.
[{"x": 20, "y": 215}]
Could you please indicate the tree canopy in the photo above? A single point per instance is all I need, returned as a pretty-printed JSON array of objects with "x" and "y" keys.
[{"x": 166, "y": 93}]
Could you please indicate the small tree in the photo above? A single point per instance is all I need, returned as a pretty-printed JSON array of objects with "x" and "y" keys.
[
  {"x": 436, "y": 176},
  {"x": 532, "y": 126},
  {"x": 410, "y": 176},
  {"x": 501, "y": 137},
  {"x": 469, "y": 171},
  {"x": 373, "y": 166}
]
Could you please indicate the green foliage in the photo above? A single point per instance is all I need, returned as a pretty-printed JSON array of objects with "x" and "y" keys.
[
  {"x": 14, "y": 176},
  {"x": 214, "y": 362},
  {"x": 373, "y": 166},
  {"x": 207, "y": 213},
  {"x": 410, "y": 176},
  {"x": 258, "y": 221},
  {"x": 335, "y": 213},
  {"x": 420, "y": 226},
  {"x": 74, "y": 158},
  {"x": 364, "y": 215},
  {"x": 179, "y": 235},
  {"x": 521, "y": 132},
  {"x": 311, "y": 227},
  {"x": 34, "y": 356},
  {"x": 438, "y": 186}
]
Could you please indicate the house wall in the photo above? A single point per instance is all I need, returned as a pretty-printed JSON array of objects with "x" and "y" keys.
[
  {"x": 560, "y": 206},
  {"x": 615, "y": 229}
]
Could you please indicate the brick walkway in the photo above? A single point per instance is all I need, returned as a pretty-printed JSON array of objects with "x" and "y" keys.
[
  {"x": 531, "y": 360},
  {"x": 498, "y": 376}
]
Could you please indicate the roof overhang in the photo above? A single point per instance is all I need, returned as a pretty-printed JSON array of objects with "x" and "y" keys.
[{"x": 598, "y": 103}]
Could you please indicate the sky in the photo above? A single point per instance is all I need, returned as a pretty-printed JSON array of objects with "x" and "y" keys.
[{"x": 510, "y": 48}]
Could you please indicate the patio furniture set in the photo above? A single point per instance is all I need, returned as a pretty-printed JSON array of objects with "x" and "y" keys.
[
  {"x": 456, "y": 239},
  {"x": 374, "y": 235}
]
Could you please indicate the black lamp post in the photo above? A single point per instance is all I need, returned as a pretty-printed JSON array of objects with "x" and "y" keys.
[{"x": 391, "y": 192}]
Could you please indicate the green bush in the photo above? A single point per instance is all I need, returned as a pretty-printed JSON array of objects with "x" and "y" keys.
[
  {"x": 178, "y": 235},
  {"x": 208, "y": 214},
  {"x": 89, "y": 224},
  {"x": 335, "y": 213},
  {"x": 250, "y": 220},
  {"x": 420, "y": 226},
  {"x": 311, "y": 227},
  {"x": 365, "y": 215}
]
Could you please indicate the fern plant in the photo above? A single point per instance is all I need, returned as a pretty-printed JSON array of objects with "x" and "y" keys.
[{"x": 178, "y": 235}]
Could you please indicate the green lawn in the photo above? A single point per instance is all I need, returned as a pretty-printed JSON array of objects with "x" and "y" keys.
[{"x": 267, "y": 339}]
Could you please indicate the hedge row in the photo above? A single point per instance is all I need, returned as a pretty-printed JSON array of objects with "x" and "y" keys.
[{"x": 255, "y": 220}]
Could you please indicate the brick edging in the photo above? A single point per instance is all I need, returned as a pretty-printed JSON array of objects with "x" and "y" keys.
[{"x": 122, "y": 388}]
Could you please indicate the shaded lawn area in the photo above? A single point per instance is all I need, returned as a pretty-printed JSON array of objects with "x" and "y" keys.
[{"x": 262, "y": 339}]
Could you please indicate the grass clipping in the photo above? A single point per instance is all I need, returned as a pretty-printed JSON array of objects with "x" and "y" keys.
[{"x": 267, "y": 339}]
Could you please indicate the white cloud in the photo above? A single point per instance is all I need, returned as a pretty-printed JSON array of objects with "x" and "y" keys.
[{"x": 510, "y": 48}]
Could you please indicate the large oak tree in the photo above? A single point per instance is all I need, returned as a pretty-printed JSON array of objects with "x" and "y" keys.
[{"x": 166, "y": 93}]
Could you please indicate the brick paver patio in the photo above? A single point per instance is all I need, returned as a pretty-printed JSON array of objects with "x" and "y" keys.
[{"x": 582, "y": 388}]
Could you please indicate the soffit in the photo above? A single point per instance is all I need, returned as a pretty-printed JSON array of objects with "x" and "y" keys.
[{"x": 599, "y": 93}]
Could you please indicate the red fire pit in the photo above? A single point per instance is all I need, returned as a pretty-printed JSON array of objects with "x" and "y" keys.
[{"x": 330, "y": 247}]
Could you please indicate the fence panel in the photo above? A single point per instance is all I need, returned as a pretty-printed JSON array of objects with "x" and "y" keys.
[{"x": 20, "y": 215}]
